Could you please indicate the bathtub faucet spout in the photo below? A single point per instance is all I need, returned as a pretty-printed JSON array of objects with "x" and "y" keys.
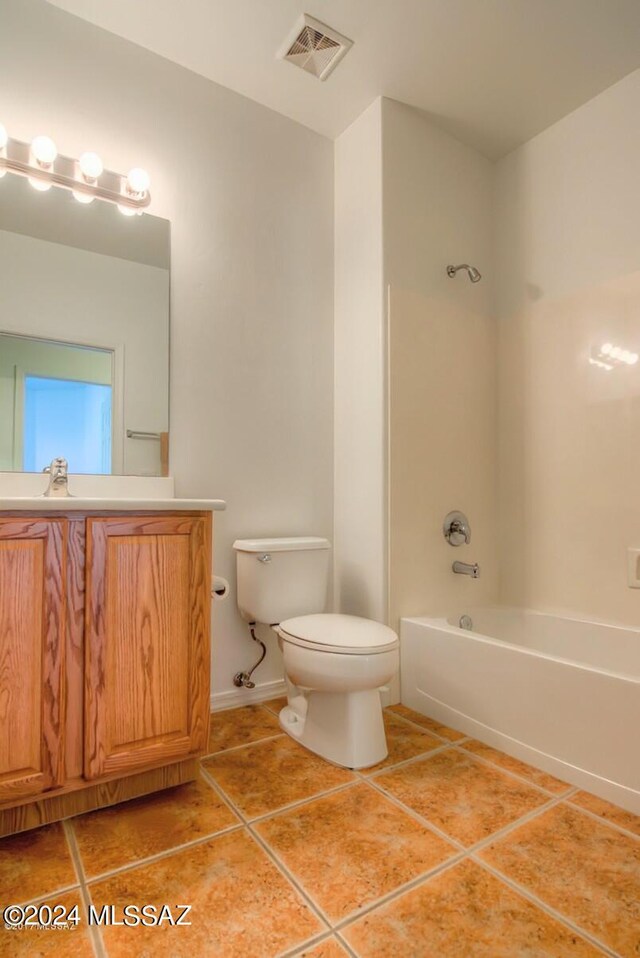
[{"x": 466, "y": 568}]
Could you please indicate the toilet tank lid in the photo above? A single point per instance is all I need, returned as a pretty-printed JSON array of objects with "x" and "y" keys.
[{"x": 289, "y": 544}]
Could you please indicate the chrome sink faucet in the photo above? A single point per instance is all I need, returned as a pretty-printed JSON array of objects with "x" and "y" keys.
[
  {"x": 466, "y": 568},
  {"x": 58, "y": 478}
]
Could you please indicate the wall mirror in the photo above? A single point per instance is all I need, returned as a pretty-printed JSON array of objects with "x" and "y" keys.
[{"x": 84, "y": 334}]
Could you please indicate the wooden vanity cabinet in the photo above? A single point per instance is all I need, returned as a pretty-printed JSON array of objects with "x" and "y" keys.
[
  {"x": 146, "y": 642},
  {"x": 104, "y": 659},
  {"x": 32, "y": 623}
]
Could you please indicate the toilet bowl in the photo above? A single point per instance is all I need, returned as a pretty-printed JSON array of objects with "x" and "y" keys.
[
  {"x": 334, "y": 664},
  {"x": 334, "y": 667}
]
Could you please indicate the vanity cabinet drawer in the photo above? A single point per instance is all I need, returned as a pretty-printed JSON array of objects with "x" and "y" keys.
[
  {"x": 32, "y": 646},
  {"x": 146, "y": 641}
]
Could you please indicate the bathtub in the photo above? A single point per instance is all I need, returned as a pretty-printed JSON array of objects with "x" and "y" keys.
[{"x": 562, "y": 694}]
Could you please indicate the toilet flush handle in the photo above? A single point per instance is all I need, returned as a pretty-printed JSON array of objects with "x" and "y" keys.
[{"x": 265, "y": 557}]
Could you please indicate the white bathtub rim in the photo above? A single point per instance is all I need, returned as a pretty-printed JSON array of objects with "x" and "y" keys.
[
  {"x": 444, "y": 625},
  {"x": 569, "y": 615},
  {"x": 621, "y": 795}
]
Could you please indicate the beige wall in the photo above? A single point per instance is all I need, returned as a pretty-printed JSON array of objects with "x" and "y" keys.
[
  {"x": 249, "y": 195},
  {"x": 442, "y": 365},
  {"x": 568, "y": 270}
]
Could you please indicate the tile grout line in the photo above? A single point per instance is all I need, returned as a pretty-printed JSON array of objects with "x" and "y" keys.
[
  {"x": 236, "y": 708},
  {"x": 278, "y": 861},
  {"x": 482, "y": 843},
  {"x": 303, "y": 801},
  {"x": 279, "y": 865},
  {"x": 407, "y": 761},
  {"x": 297, "y": 950},
  {"x": 511, "y": 826},
  {"x": 282, "y": 868},
  {"x": 236, "y": 748},
  {"x": 425, "y": 728},
  {"x": 420, "y": 819},
  {"x": 213, "y": 785},
  {"x": 346, "y": 945},
  {"x": 446, "y": 743},
  {"x": 160, "y": 856},
  {"x": 520, "y": 778},
  {"x": 272, "y": 710},
  {"x": 429, "y": 753},
  {"x": 470, "y": 855},
  {"x": 56, "y": 893},
  {"x": 599, "y": 818},
  {"x": 485, "y": 761},
  {"x": 407, "y": 886},
  {"x": 376, "y": 903},
  {"x": 93, "y": 932},
  {"x": 566, "y": 796},
  {"x": 398, "y": 892},
  {"x": 277, "y": 811},
  {"x": 524, "y": 892}
]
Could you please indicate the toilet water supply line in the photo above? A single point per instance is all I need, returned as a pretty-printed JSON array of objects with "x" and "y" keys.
[{"x": 243, "y": 679}]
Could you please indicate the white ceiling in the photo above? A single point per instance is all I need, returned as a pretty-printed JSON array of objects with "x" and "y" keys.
[{"x": 492, "y": 72}]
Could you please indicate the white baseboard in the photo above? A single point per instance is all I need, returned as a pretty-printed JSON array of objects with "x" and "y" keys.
[{"x": 235, "y": 697}]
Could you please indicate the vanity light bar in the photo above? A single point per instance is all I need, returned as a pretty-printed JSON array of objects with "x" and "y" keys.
[
  {"x": 86, "y": 178},
  {"x": 616, "y": 355}
]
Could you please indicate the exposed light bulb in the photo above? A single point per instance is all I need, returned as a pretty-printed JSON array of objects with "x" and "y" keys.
[
  {"x": 138, "y": 180},
  {"x": 633, "y": 359},
  {"x": 606, "y": 349},
  {"x": 82, "y": 197},
  {"x": 615, "y": 352},
  {"x": 126, "y": 210},
  {"x": 91, "y": 166},
  {"x": 4, "y": 136},
  {"x": 44, "y": 150},
  {"x": 41, "y": 185}
]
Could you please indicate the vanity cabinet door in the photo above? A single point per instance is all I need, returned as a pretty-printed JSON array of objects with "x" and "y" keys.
[
  {"x": 32, "y": 645},
  {"x": 146, "y": 641}
]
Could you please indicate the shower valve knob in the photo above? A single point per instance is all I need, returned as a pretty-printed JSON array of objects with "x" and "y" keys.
[{"x": 456, "y": 529}]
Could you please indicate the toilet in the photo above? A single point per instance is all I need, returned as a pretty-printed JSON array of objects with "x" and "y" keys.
[{"x": 334, "y": 664}]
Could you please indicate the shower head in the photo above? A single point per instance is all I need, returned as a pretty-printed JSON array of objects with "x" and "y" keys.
[{"x": 474, "y": 274}]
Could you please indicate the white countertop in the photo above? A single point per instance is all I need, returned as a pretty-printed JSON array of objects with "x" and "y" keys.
[
  {"x": 22, "y": 492},
  {"x": 85, "y": 504}
]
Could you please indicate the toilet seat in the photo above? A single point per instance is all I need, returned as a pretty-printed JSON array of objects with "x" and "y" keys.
[{"x": 343, "y": 634}]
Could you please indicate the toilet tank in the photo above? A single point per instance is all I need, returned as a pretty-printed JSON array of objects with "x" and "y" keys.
[{"x": 281, "y": 578}]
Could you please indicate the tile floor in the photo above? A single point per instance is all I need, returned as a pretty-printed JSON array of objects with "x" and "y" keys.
[{"x": 447, "y": 848}]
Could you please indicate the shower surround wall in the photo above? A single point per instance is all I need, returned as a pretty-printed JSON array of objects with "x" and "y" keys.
[
  {"x": 482, "y": 397},
  {"x": 442, "y": 397},
  {"x": 568, "y": 269},
  {"x": 415, "y": 367}
]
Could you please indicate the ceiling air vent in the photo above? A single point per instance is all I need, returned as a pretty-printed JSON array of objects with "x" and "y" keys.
[{"x": 315, "y": 47}]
